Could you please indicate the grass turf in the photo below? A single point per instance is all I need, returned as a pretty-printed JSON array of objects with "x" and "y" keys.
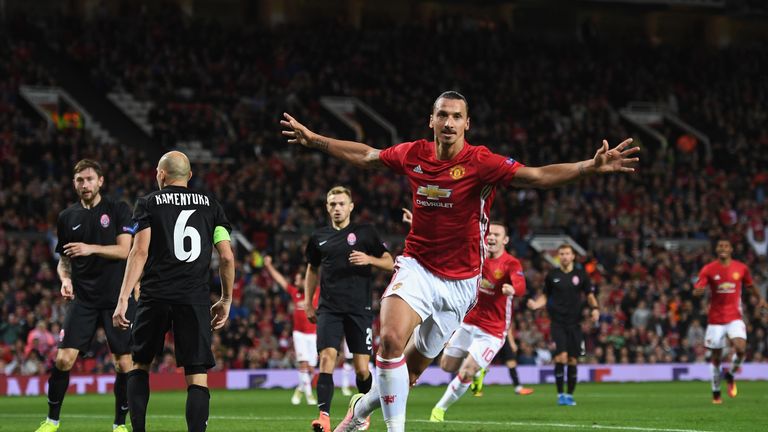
[{"x": 663, "y": 407}]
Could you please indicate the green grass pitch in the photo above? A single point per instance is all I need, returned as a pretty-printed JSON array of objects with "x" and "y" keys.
[{"x": 662, "y": 407}]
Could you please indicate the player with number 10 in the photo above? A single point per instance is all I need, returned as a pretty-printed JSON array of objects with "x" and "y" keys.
[{"x": 176, "y": 232}]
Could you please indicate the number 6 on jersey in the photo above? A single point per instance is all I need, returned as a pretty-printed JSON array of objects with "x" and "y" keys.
[{"x": 182, "y": 231}]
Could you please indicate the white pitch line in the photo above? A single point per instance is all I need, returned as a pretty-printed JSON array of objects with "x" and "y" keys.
[
  {"x": 458, "y": 422},
  {"x": 562, "y": 425}
]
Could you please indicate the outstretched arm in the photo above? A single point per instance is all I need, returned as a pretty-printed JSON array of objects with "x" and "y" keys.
[
  {"x": 276, "y": 275},
  {"x": 356, "y": 153},
  {"x": 606, "y": 160}
]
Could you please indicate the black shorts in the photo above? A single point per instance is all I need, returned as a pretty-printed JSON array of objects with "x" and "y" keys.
[
  {"x": 80, "y": 326},
  {"x": 333, "y": 326},
  {"x": 506, "y": 352},
  {"x": 567, "y": 338},
  {"x": 191, "y": 325}
]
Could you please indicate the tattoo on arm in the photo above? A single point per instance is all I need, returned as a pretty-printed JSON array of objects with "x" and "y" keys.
[
  {"x": 372, "y": 158},
  {"x": 582, "y": 172},
  {"x": 65, "y": 265},
  {"x": 321, "y": 144}
]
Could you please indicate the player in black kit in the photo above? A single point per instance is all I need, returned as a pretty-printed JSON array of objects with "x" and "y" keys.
[
  {"x": 562, "y": 295},
  {"x": 175, "y": 237},
  {"x": 94, "y": 238},
  {"x": 344, "y": 253}
]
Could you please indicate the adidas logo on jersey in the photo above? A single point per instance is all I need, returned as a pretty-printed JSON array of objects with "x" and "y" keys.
[{"x": 418, "y": 169}]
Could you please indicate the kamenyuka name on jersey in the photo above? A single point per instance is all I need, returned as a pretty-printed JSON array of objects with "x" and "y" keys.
[{"x": 182, "y": 199}]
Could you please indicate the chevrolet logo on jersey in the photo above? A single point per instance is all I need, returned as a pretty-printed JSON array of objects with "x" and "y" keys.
[
  {"x": 433, "y": 192},
  {"x": 726, "y": 288},
  {"x": 486, "y": 286}
]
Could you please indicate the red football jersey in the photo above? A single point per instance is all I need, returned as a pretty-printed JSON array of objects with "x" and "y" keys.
[
  {"x": 493, "y": 311},
  {"x": 451, "y": 203},
  {"x": 300, "y": 321},
  {"x": 725, "y": 284}
]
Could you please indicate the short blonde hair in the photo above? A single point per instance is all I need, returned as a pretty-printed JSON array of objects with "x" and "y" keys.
[{"x": 337, "y": 190}]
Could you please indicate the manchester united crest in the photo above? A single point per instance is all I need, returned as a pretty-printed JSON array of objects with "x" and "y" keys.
[
  {"x": 457, "y": 172},
  {"x": 736, "y": 276},
  {"x": 498, "y": 273}
]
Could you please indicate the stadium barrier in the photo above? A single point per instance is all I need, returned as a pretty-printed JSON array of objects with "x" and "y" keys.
[
  {"x": 36, "y": 385},
  {"x": 275, "y": 378},
  {"x": 265, "y": 378}
]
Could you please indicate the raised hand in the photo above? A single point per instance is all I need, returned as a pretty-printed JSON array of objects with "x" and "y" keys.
[
  {"x": 296, "y": 132},
  {"x": 617, "y": 159}
]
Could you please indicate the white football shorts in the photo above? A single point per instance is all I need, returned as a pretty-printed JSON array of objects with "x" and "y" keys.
[
  {"x": 715, "y": 337},
  {"x": 441, "y": 303}
]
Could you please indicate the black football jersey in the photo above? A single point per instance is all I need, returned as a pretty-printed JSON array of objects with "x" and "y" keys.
[
  {"x": 182, "y": 222},
  {"x": 96, "y": 280},
  {"x": 344, "y": 287},
  {"x": 564, "y": 294}
]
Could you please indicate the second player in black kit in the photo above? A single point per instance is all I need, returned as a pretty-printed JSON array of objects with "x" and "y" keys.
[
  {"x": 344, "y": 254},
  {"x": 563, "y": 288},
  {"x": 94, "y": 236},
  {"x": 175, "y": 237}
]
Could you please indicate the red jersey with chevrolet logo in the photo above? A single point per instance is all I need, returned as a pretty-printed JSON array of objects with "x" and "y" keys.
[
  {"x": 725, "y": 284},
  {"x": 493, "y": 311},
  {"x": 451, "y": 203}
]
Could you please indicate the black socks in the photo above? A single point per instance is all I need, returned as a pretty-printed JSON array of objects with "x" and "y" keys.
[
  {"x": 58, "y": 383},
  {"x": 198, "y": 405}
]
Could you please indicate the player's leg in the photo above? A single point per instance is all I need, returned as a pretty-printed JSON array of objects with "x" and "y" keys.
[
  {"x": 414, "y": 295},
  {"x": 737, "y": 333},
  {"x": 147, "y": 337},
  {"x": 120, "y": 345},
  {"x": 76, "y": 334},
  {"x": 312, "y": 359},
  {"x": 453, "y": 360},
  {"x": 123, "y": 365},
  {"x": 358, "y": 332},
  {"x": 192, "y": 339},
  {"x": 457, "y": 349},
  {"x": 330, "y": 330},
  {"x": 450, "y": 300},
  {"x": 560, "y": 359},
  {"x": 305, "y": 347},
  {"x": 456, "y": 388},
  {"x": 575, "y": 344},
  {"x": 572, "y": 376},
  {"x": 398, "y": 321},
  {"x": 511, "y": 364},
  {"x": 714, "y": 340},
  {"x": 347, "y": 369},
  {"x": 305, "y": 384},
  {"x": 198, "y": 398},
  {"x": 482, "y": 351}
]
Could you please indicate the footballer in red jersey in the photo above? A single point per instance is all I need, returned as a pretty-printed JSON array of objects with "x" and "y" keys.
[
  {"x": 304, "y": 332},
  {"x": 725, "y": 278},
  {"x": 435, "y": 282},
  {"x": 475, "y": 343}
]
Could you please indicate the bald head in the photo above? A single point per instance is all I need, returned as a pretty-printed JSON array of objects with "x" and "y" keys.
[{"x": 173, "y": 168}]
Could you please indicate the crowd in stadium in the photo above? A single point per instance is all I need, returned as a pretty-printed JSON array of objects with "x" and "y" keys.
[{"x": 537, "y": 108}]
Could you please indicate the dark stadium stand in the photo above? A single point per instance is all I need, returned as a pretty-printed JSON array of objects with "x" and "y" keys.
[{"x": 227, "y": 86}]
